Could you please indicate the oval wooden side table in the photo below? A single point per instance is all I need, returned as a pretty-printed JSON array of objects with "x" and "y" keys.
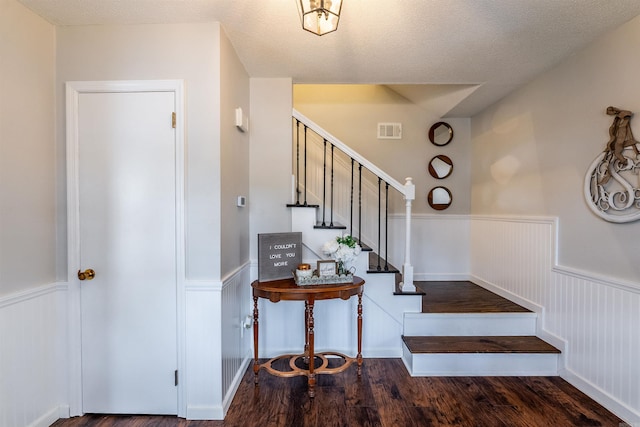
[{"x": 305, "y": 363}]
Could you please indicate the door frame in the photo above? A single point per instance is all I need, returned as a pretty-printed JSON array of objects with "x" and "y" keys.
[{"x": 74, "y": 314}]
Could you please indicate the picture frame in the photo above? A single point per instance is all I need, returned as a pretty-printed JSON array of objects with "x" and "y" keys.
[{"x": 327, "y": 268}]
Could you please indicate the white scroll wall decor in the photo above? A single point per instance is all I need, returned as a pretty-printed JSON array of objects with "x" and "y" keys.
[{"x": 612, "y": 182}]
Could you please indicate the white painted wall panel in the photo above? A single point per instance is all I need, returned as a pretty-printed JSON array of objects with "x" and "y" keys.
[
  {"x": 32, "y": 354},
  {"x": 236, "y": 340},
  {"x": 596, "y": 317}
]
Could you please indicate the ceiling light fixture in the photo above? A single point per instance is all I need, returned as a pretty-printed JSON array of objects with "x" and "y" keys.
[{"x": 320, "y": 16}]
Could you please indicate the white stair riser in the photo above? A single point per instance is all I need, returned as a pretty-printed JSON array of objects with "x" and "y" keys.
[
  {"x": 466, "y": 324},
  {"x": 480, "y": 364}
]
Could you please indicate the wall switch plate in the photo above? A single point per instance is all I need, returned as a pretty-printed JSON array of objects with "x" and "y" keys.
[{"x": 242, "y": 201}]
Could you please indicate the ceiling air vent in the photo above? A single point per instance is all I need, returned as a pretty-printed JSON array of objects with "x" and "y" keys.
[{"x": 389, "y": 130}]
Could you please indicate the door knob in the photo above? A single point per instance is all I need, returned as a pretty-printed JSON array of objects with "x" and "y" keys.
[{"x": 88, "y": 274}]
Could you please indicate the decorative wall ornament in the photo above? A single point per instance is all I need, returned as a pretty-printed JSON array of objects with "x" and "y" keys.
[{"x": 612, "y": 182}]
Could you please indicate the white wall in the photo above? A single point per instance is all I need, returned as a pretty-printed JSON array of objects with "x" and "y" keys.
[
  {"x": 234, "y": 160},
  {"x": 27, "y": 176},
  {"x": 351, "y": 113},
  {"x": 270, "y": 159},
  {"x": 32, "y": 305},
  {"x": 532, "y": 149},
  {"x": 144, "y": 52}
]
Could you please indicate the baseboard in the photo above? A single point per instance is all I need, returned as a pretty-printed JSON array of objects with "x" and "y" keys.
[
  {"x": 48, "y": 418},
  {"x": 431, "y": 277},
  {"x": 629, "y": 415},
  {"x": 64, "y": 411},
  {"x": 541, "y": 332},
  {"x": 205, "y": 412},
  {"x": 506, "y": 294},
  {"x": 382, "y": 353}
]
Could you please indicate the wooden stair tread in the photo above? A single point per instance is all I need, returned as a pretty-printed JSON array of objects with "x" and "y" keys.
[
  {"x": 463, "y": 297},
  {"x": 327, "y": 225},
  {"x": 373, "y": 265},
  {"x": 301, "y": 205},
  {"x": 478, "y": 344}
]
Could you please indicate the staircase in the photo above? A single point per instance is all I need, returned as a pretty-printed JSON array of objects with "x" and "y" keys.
[
  {"x": 457, "y": 328},
  {"x": 466, "y": 330}
]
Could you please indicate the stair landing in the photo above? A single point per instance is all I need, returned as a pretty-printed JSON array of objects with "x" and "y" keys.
[{"x": 463, "y": 297}]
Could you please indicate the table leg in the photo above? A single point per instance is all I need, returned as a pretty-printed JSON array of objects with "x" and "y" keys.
[
  {"x": 256, "y": 363},
  {"x": 359, "y": 357},
  {"x": 306, "y": 332},
  {"x": 312, "y": 376}
]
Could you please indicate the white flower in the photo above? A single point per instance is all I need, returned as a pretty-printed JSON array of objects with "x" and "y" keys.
[
  {"x": 330, "y": 247},
  {"x": 343, "y": 249}
]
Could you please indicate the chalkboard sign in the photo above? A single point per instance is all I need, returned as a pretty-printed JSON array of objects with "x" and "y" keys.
[{"x": 278, "y": 255}]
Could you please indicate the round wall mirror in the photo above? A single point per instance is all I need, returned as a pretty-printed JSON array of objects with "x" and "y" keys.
[
  {"x": 440, "y": 166},
  {"x": 440, "y": 134},
  {"x": 439, "y": 198}
]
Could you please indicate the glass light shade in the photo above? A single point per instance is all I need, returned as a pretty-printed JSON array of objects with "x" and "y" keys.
[{"x": 320, "y": 16}]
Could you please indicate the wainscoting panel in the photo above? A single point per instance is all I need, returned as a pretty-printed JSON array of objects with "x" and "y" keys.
[
  {"x": 32, "y": 357},
  {"x": 236, "y": 306},
  {"x": 597, "y": 318},
  {"x": 217, "y": 347}
]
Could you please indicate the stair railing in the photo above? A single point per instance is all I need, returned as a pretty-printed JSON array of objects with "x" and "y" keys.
[{"x": 317, "y": 174}]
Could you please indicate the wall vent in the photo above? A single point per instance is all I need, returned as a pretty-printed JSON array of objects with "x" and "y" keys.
[{"x": 389, "y": 130}]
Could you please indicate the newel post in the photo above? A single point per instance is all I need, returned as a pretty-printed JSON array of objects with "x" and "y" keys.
[{"x": 407, "y": 269}]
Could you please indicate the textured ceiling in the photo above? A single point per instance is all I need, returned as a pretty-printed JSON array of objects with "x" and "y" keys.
[{"x": 480, "y": 50}]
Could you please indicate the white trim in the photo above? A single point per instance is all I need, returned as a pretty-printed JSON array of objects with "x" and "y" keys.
[
  {"x": 46, "y": 419},
  {"x": 428, "y": 277},
  {"x": 73, "y": 90},
  {"x": 235, "y": 272},
  {"x": 601, "y": 280},
  {"x": 432, "y": 217},
  {"x": 515, "y": 218},
  {"x": 631, "y": 416},
  {"x": 541, "y": 332},
  {"x": 203, "y": 286},
  {"x": 203, "y": 412},
  {"x": 18, "y": 297}
]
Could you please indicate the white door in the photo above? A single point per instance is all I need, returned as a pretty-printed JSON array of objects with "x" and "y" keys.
[{"x": 127, "y": 224}]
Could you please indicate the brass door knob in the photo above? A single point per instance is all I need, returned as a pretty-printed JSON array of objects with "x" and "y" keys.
[{"x": 88, "y": 274}]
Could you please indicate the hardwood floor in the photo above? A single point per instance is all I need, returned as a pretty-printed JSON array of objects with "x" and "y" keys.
[
  {"x": 387, "y": 396},
  {"x": 463, "y": 297}
]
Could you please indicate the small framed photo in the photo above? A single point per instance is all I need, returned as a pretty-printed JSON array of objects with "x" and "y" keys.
[{"x": 327, "y": 268}]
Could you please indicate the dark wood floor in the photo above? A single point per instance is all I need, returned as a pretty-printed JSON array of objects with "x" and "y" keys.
[
  {"x": 462, "y": 297},
  {"x": 387, "y": 396}
]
